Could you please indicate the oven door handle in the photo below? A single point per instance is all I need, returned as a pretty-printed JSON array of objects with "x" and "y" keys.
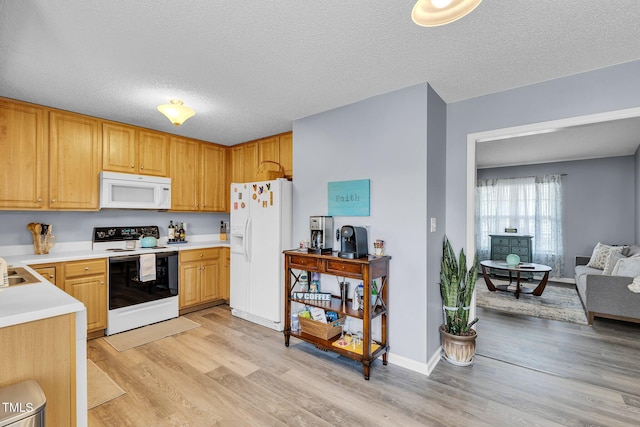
[{"x": 118, "y": 259}]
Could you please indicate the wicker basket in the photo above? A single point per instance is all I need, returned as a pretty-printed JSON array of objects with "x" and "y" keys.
[
  {"x": 269, "y": 170},
  {"x": 319, "y": 329}
]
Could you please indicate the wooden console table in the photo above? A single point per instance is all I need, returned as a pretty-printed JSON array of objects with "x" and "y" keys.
[{"x": 365, "y": 269}]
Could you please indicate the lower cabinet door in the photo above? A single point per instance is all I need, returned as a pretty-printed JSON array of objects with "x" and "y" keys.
[
  {"x": 92, "y": 292},
  {"x": 210, "y": 281},
  {"x": 189, "y": 292}
]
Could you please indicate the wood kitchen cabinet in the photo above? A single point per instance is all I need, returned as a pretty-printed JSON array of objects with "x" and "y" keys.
[
  {"x": 285, "y": 141},
  {"x": 200, "y": 279},
  {"x": 246, "y": 157},
  {"x": 43, "y": 350},
  {"x": 52, "y": 272},
  {"x": 185, "y": 176},
  {"x": 25, "y": 155},
  {"x": 225, "y": 273},
  {"x": 198, "y": 176},
  {"x": 244, "y": 162},
  {"x": 133, "y": 150},
  {"x": 214, "y": 191},
  {"x": 86, "y": 281},
  {"x": 75, "y": 155},
  {"x": 269, "y": 149}
]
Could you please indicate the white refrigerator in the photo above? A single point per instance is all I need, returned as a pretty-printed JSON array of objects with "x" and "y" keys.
[{"x": 260, "y": 230}]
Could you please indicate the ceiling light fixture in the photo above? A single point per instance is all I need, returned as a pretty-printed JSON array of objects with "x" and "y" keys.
[
  {"x": 432, "y": 13},
  {"x": 176, "y": 112}
]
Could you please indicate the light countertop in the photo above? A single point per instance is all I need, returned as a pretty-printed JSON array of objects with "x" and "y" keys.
[{"x": 26, "y": 303}]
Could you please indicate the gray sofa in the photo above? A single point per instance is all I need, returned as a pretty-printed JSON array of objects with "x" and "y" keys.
[{"x": 605, "y": 296}]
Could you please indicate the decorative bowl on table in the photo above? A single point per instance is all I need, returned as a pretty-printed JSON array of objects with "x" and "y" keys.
[{"x": 513, "y": 260}]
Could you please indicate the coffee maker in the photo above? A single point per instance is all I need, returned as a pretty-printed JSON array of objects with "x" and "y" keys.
[
  {"x": 321, "y": 228},
  {"x": 353, "y": 242}
]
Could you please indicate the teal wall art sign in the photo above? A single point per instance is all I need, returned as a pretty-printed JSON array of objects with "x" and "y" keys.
[{"x": 349, "y": 198}]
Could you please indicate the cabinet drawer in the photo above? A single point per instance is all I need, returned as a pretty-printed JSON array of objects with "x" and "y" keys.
[
  {"x": 344, "y": 268},
  {"x": 520, "y": 242},
  {"x": 500, "y": 241},
  {"x": 303, "y": 263},
  {"x": 85, "y": 268},
  {"x": 520, "y": 251},
  {"x": 199, "y": 254},
  {"x": 500, "y": 250}
]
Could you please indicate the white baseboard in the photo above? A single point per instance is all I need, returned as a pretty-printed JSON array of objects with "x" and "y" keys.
[{"x": 409, "y": 364}]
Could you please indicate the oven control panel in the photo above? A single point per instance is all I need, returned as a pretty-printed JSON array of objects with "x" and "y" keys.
[{"x": 115, "y": 234}]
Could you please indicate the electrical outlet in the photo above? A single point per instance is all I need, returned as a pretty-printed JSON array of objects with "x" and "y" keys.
[
  {"x": 433, "y": 225},
  {"x": 337, "y": 235}
]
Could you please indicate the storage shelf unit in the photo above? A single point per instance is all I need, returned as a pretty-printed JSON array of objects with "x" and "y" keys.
[
  {"x": 365, "y": 269},
  {"x": 504, "y": 244}
]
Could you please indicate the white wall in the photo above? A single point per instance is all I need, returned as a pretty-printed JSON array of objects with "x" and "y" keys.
[{"x": 383, "y": 139}]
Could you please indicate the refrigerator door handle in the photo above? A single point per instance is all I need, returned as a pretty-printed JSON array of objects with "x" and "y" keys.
[{"x": 247, "y": 243}]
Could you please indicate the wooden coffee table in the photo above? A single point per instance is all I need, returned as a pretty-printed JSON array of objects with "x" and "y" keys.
[{"x": 520, "y": 268}]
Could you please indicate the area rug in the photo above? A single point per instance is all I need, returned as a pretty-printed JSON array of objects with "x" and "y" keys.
[
  {"x": 557, "y": 302},
  {"x": 137, "y": 337},
  {"x": 100, "y": 387}
]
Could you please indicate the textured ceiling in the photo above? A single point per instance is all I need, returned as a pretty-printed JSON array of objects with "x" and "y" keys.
[{"x": 250, "y": 69}]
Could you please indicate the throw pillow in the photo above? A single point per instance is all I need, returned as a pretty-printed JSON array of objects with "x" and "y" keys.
[
  {"x": 633, "y": 250},
  {"x": 600, "y": 254},
  {"x": 612, "y": 259},
  {"x": 635, "y": 285},
  {"x": 628, "y": 267}
]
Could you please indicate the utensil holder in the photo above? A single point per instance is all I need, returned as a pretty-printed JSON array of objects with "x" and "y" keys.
[{"x": 42, "y": 243}]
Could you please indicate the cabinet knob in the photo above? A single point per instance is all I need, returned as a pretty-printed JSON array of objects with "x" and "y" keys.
[
  {"x": 39, "y": 199},
  {"x": 53, "y": 200},
  {"x": 86, "y": 269},
  {"x": 141, "y": 167},
  {"x": 102, "y": 282},
  {"x": 51, "y": 276},
  {"x": 133, "y": 166},
  {"x": 201, "y": 255}
]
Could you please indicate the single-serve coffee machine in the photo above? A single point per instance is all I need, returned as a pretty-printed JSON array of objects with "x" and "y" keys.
[
  {"x": 321, "y": 228},
  {"x": 353, "y": 242}
]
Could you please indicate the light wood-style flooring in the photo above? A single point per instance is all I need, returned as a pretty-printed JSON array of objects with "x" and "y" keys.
[{"x": 230, "y": 372}]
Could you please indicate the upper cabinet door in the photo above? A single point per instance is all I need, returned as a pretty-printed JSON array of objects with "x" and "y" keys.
[
  {"x": 269, "y": 150},
  {"x": 75, "y": 158},
  {"x": 131, "y": 150},
  {"x": 119, "y": 151},
  {"x": 244, "y": 162},
  {"x": 153, "y": 153},
  {"x": 215, "y": 188},
  {"x": 185, "y": 174},
  {"x": 286, "y": 154},
  {"x": 24, "y": 152}
]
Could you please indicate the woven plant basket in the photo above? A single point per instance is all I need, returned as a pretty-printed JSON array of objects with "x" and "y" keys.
[{"x": 269, "y": 170}]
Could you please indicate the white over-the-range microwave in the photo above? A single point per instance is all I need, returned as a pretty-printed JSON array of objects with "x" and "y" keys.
[{"x": 130, "y": 191}]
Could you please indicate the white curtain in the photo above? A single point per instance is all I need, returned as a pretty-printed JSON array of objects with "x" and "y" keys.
[{"x": 532, "y": 205}]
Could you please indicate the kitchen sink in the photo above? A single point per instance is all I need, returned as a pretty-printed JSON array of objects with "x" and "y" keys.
[{"x": 20, "y": 276}]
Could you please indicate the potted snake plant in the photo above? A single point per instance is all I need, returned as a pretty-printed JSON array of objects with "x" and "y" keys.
[{"x": 457, "y": 286}]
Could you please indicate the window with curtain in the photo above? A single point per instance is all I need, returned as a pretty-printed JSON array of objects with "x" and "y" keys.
[{"x": 533, "y": 205}]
